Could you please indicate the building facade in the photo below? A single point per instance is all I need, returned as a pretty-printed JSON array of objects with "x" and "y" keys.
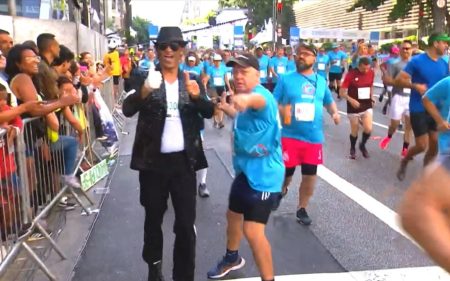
[{"x": 333, "y": 14}]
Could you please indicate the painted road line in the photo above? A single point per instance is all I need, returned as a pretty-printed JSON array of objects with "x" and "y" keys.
[
  {"x": 375, "y": 123},
  {"x": 429, "y": 273}
]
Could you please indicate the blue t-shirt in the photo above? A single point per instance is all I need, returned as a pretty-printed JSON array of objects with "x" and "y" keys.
[
  {"x": 307, "y": 96},
  {"x": 439, "y": 94},
  {"x": 195, "y": 70},
  {"x": 257, "y": 145},
  {"x": 291, "y": 66},
  {"x": 321, "y": 65},
  {"x": 207, "y": 65},
  {"x": 336, "y": 59},
  {"x": 279, "y": 65},
  {"x": 217, "y": 76},
  {"x": 263, "y": 68},
  {"x": 229, "y": 70},
  {"x": 424, "y": 70}
]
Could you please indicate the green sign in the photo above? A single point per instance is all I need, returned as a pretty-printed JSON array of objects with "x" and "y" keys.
[{"x": 93, "y": 175}]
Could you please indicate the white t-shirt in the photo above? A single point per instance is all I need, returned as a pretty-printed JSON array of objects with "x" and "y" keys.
[{"x": 172, "y": 137}]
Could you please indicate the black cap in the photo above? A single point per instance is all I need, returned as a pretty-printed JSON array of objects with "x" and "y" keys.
[
  {"x": 309, "y": 47},
  {"x": 245, "y": 60}
]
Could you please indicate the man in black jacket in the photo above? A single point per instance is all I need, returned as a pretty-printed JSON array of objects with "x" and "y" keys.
[{"x": 166, "y": 153}]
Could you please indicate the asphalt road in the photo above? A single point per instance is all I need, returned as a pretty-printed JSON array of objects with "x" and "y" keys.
[{"x": 353, "y": 212}]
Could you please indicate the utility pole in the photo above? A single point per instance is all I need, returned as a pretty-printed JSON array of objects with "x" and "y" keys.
[
  {"x": 274, "y": 22},
  {"x": 12, "y": 8}
]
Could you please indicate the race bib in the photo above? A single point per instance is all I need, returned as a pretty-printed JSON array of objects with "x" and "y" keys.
[
  {"x": 407, "y": 91},
  {"x": 218, "y": 81},
  {"x": 337, "y": 63},
  {"x": 281, "y": 69},
  {"x": 229, "y": 76},
  {"x": 321, "y": 66},
  {"x": 364, "y": 93},
  {"x": 305, "y": 111},
  {"x": 262, "y": 74},
  {"x": 389, "y": 88},
  {"x": 172, "y": 109}
]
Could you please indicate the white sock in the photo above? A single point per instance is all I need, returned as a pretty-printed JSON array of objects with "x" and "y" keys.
[{"x": 201, "y": 175}]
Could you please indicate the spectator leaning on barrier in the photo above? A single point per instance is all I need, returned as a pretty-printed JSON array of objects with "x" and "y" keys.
[
  {"x": 48, "y": 50},
  {"x": 165, "y": 153}
]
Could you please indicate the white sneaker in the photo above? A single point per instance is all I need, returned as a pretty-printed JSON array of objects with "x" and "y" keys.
[{"x": 72, "y": 181}]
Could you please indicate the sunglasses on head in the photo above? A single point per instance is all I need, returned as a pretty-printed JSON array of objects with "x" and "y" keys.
[{"x": 175, "y": 46}]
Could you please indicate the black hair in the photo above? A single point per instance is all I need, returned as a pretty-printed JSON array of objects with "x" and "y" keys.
[
  {"x": 2, "y": 87},
  {"x": 407, "y": 41},
  {"x": 44, "y": 40},
  {"x": 63, "y": 80},
  {"x": 14, "y": 58},
  {"x": 32, "y": 44},
  {"x": 364, "y": 61},
  {"x": 65, "y": 55},
  {"x": 2, "y": 31},
  {"x": 73, "y": 67},
  {"x": 83, "y": 55}
]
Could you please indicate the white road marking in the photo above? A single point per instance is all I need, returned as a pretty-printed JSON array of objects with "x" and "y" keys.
[
  {"x": 375, "y": 123},
  {"x": 429, "y": 273}
]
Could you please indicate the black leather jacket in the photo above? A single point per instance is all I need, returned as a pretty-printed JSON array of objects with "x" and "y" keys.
[{"x": 150, "y": 126}]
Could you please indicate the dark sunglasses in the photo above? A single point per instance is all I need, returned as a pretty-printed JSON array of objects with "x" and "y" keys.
[
  {"x": 406, "y": 49},
  {"x": 175, "y": 46}
]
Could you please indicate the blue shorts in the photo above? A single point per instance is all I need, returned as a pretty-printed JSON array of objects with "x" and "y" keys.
[
  {"x": 253, "y": 204},
  {"x": 11, "y": 180}
]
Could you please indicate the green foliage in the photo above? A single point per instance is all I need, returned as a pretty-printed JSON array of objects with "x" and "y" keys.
[
  {"x": 261, "y": 10},
  {"x": 141, "y": 26},
  {"x": 327, "y": 46}
]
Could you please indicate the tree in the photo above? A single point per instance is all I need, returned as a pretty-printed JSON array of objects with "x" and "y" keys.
[
  {"x": 261, "y": 10},
  {"x": 141, "y": 26},
  {"x": 402, "y": 8}
]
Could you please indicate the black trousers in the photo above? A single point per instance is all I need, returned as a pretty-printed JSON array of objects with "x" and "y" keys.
[{"x": 179, "y": 181}]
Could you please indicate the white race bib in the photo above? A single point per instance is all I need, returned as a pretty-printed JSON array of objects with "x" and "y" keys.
[
  {"x": 218, "y": 81},
  {"x": 321, "y": 66},
  {"x": 262, "y": 74},
  {"x": 337, "y": 63},
  {"x": 281, "y": 69},
  {"x": 389, "y": 88},
  {"x": 407, "y": 91},
  {"x": 305, "y": 111},
  {"x": 364, "y": 93},
  {"x": 229, "y": 76}
]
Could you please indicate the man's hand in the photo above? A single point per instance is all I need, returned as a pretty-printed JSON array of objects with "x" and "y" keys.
[
  {"x": 69, "y": 98},
  {"x": 443, "y": 126},
  {"x": 336, "y": 118},
  {"x": 354, "y": 103},
  {"x": 153, "y": 82},
  {"x": 191, "y": 86},
  {"x": 240, "y": 102},
  {"x": 421, "y": 88}
]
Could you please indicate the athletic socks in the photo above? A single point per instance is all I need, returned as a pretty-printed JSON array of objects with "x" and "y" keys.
[
  {"x": 365, "y": 137},
  {"x": 353, "y": 141},
  {"x": 201, "y": 175},
  {"x": 231, "y": 256}
]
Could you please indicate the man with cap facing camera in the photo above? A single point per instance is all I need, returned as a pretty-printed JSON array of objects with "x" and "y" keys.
[
  {"x": 258, "y": 167},
  {"x": 165, "y": 152}
]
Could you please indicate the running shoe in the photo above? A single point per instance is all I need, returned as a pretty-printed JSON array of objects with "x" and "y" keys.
[
  {"x": 155, "y": 272},
  {"x": 223, "y": 268},
  {"x": 352, "y": 153},
  {"x": 203, "y": 190},
  {"x": 302, "y": 217},
  {"x": 385, "y": 107},
  {"x": 385, "y": 143},
  {"x": 402, "y": 170},
  {"x": 404, "y": 152},
  {"x": 66, "y": 204},
  {"x": 380, "y": 98},
  {"x": 364, "y": 151}
]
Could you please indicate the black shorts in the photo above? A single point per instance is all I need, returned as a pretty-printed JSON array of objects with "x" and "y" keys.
[
  {"x": 334, "y": 76},
  {"x": 422, "y": 123},
  {"x": 116, "y": 79},
  {"x": 254, "y": 205},
  {"x": 307, "y": 170}
]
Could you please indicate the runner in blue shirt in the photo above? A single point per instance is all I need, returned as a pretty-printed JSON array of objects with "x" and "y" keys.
[
  {"x": 322, "y": 62},
  {"x": 278, "y": 65},
  {"x": 263, "y": 67},
  {"x": 337, "y": 61},
  {"x": 258, "y": 165},
  {"x": 302, "y": 96},
  {"x": 420, "y": 74},
  {"x": 291, "y": 60}
]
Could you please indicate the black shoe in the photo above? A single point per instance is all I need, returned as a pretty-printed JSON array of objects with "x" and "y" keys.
[
  {"x": 352, "y": 153},
  {"x": 155, "y": 272},
  {"x": 364, "y": 151},
  {"x": 302, "y": 217},
  {"x": 385, "y": 109},
  {"x": 402, "y": 170},
  {"x": 203, "y": 190},
  {"x": 380, "y": 98}
]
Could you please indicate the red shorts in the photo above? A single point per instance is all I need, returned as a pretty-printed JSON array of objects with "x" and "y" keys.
[{"x": 297, "y": 152}]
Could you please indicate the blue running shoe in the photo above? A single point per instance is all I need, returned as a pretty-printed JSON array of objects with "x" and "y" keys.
[{"x": 223, "y": 268}]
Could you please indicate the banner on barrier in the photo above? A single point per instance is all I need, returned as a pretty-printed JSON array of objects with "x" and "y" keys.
[
  {"x": 319, "y": 33},
  {"x": 93, "y": 175}
]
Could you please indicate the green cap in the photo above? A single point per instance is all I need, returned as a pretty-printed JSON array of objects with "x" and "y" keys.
[{"x": 438, "y": 36}]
